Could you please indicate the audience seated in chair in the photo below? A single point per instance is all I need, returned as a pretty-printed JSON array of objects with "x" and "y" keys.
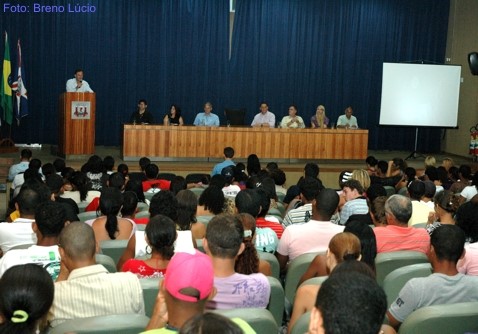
[
  {"x": 313, "y": 236},
  {"x": 397, "y": 235},
  {"x": 211, "y": 202},
  {"x": 183, "y": 293},
  {"x": 81, "y": 281},
  {"x": 355, "y": 202},
  {"x": 187, "y": 208},
  {"x": 20, "y": 232},
  {"x": 160, "y": 236},
  {"x": 249, "y": 262},
  {"x": 420, "y": 211},
  {"x": 26, "y": 295},
  {"x": 109, "y": 226},
  {"x": 49, "y": 221},
  {"x": 301, "y": 211},
  {"x": 152, "y": 183},
  {"x": 349, "y": 302},
  {"x": 228, "y": 155},
  {"x": 223, "y": 243},
  {"x": 445, "y": 286},
  {"x": 342, "y": 247},
  {"x": 250, "y": 201},
  {"x": 163, "y": 203}
]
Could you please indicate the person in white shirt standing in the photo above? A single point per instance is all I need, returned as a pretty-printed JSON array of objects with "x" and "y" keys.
[{"x": 77, "y": 84}]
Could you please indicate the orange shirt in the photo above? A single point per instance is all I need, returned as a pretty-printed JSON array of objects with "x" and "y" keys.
[{"x": 392, "y": 238}]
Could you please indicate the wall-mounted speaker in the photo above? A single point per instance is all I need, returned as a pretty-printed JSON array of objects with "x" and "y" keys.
[{"x": 473, "y": 62}]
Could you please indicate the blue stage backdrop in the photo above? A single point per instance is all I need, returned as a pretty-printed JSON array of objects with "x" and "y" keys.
[{"x": 303, "y": 52}]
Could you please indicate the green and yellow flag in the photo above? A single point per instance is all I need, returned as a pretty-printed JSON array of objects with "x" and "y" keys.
[{"x": 6, "y": 101}]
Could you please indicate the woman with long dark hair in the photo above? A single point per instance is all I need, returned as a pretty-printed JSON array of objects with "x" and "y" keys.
[
  {"x": 109, "y": 226},
  {"x": 160, "y": 235}
]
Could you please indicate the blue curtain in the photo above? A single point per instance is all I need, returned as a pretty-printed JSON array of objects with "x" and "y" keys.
[
  {"x": 303, "y": 52},
  {"x": 163, "y": 51},
  {"x": 311, "y": 52}
]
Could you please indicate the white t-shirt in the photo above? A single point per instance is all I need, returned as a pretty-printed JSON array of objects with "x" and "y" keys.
[
  {"x": 231, "y": 191},
  {"x": 469, "y": 192},
  {"x": 17, "y": 233},
  {"x": 46, "y": 256}
]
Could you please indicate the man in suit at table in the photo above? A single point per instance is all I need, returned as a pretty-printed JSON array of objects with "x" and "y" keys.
[{"x": 265, "y": 118}]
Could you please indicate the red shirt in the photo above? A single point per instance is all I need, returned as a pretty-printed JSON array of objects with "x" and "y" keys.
[
  {"x": 94, "y": 204},
  {"x": 161, "y": 184},
  {"x": 277, "y": 228},
  {"x": 141, "y": 269}
]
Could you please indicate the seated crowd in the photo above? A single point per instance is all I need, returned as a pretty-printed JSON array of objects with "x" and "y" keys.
[{"x": 208, "y": 240}]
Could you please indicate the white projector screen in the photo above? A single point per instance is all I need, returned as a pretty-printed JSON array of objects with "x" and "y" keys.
[{"x": 420, "y": 95}]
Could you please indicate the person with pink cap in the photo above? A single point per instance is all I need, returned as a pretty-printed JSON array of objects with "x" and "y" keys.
[{"x": 187, "y": 286}]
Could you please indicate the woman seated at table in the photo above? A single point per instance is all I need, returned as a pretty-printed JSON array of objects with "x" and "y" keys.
[
  {"x": 109, "y": 226},
  {"x": 319, "y": 120},
  {"x": 292, "y": 120},
  {"x": 174, "y": 116}
]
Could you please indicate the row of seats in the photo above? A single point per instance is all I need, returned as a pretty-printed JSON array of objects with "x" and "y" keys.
[
  {"x": 111, "y": 251},
  {"x": 443, "y": 319},
  {"x": 386, "y": 263},
  {"x": 261, "y": 320}
]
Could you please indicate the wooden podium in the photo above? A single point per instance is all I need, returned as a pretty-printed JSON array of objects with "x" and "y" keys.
[{"x": 76, "y": 125}]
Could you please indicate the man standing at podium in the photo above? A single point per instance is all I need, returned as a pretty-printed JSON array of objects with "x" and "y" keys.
[{"x": 77, "y": 84}]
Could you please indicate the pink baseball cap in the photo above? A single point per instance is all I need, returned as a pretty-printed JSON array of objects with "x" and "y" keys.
[{"x": 189, "y": 277}]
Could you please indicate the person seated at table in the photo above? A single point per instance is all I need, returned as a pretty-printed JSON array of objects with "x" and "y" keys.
[
  {"x": 347, "y": 121},
  {"x": 319, "y": 120},
  {"x": 265, "y": 118},
  {"x": 292, "y": 120},
  {"x": 206, "y": 118},
  {"x": 142, "y": 115},
  {"x": 174, "y": 116}
]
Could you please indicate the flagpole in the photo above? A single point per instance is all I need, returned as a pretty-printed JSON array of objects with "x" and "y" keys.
[{"x": 7, "y": 144}]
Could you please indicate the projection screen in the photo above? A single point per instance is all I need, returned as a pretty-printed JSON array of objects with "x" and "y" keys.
[{"x": 420, "y": 95}]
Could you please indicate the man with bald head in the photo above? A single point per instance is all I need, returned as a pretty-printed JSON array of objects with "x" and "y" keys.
[{"x": 86, "y": 289}]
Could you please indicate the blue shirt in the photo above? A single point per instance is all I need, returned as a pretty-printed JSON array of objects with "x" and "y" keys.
[
  {"x": 206, "y": 120},
  {"x": 218, "y": 167},
  {"x": 17, "y": 168}
]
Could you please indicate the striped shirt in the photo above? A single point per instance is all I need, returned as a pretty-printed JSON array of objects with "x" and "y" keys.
[
  {"x": 300, "y": 215},
  {"x": 92, "y": 291}
]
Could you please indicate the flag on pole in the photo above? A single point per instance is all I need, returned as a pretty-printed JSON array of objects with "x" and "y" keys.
[
  {"x": 5, "y": 89},
  {"x": 21, "y": 98}
]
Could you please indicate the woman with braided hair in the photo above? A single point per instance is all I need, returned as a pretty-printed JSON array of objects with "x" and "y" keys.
[{"x": 248, "y": 262}]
